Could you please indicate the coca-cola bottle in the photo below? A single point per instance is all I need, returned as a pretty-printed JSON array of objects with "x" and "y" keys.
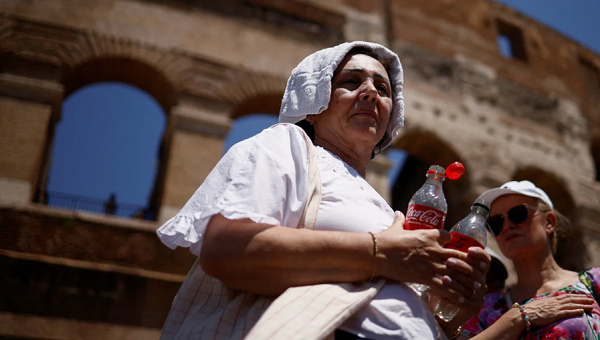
[
  {"x": 468, "y": 232},
  {"x": 427, "y": 208}
]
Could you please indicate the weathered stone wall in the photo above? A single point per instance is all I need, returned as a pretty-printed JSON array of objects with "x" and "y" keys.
[
  {"x": 23, "y": 128},
  {"x": 75, "y": 274},
  {"x": 206, "y": 63}
]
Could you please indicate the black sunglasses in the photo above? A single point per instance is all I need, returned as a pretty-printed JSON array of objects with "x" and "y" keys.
[{"x": 516, "y": 215}]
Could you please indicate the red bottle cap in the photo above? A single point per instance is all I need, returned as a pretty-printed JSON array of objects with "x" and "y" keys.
[{"x": 455, "y": 170}]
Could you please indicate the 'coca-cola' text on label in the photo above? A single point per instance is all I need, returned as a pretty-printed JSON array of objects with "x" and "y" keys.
[
  {"x": 424, "y": 217},
  {"x": 462, "y": 242}
]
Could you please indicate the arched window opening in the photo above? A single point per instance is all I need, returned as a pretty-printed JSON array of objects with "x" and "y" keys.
[
  {"x": 511, "y": 43},
  {"x": 591, "y": 76},
  {"x": 105, "y": 153},
  {"x": 248, "y": 126}
]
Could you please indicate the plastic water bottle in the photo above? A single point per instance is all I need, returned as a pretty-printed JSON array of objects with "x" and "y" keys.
[
  {"x": 427, "y": 209},
  {"x": 468, "y": 232}
]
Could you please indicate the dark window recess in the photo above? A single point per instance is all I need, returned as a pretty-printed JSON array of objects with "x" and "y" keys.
[
  {"x": 595, "y": 150},
  {"x": 591, "y": 76},
  {"x": 510, "y": 41}
]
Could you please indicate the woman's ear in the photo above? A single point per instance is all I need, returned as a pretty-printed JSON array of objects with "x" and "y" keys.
[{"x": 550, "y": 222}]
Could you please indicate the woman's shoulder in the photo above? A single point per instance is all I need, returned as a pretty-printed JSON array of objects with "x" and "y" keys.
[
  {"x": 280, "y": 135},
  {"x": 591, "y": 279},
  {"x": 593, "y": 273},
  {"x": 277, "y": 138},
  {"x": 285, "y": 130},
  {"x": 278, "y": 149}
]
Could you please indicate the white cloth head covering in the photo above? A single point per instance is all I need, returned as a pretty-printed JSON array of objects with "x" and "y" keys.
[
  {"x": 308, "y": 89},
  {"x": 517, "y": 187}
]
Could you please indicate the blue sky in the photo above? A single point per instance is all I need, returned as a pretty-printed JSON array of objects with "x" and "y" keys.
[
  {"x": 94, "y": 157},
  {"x": 576, "y": 19}
]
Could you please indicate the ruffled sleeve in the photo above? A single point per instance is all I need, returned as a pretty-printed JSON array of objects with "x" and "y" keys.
[{"x": 263, "y": 178}]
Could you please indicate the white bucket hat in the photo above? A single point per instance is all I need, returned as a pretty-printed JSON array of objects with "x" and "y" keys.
[
  {"x": 308, "y": 89},
  {"x": 517, "y": 187}
]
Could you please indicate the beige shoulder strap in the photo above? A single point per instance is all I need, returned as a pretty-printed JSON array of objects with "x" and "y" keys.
[
  {"x": 309, "y": 217},
  {"x": 312, "y": 312}
]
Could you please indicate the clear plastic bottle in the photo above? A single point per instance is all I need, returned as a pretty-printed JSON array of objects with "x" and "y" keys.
[
  {"x": 468, "y": 232},
  {"x": 427, "y": 208}
]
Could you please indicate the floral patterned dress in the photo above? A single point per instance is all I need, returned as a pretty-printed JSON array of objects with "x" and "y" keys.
[{"x": 586, "y": 326}]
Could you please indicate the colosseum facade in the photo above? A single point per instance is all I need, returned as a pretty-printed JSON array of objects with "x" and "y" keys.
[{"x": 73, "y": 273}]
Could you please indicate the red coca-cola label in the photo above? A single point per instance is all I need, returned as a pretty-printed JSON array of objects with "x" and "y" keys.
[
  {"x": 462, "y": 242},
  {"x": 424, "y": 217}
]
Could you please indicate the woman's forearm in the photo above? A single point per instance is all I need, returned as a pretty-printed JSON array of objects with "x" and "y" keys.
[
  {"x": 510, "y": 326},
  {"x": 267, "y": 259}
]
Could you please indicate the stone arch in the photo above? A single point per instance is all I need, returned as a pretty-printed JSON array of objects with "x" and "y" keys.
[
  {"x": 79, "y": 58},
  {"x": 248, "y": 90},
  {"x": 268, "y": 103},
  {"x": 150, "y": 68},
  {"x": 125, "y": 70},
  {"x": 133, "y": 72},
  {"x": 571, "y": 250},
  {"x": 425, "y": 148},
  {"x": 554, "y": 186}
]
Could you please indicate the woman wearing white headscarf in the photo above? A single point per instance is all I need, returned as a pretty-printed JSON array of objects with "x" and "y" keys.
[{"x": 243, "y": 222}]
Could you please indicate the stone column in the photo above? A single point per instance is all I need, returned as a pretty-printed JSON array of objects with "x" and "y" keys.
[
  {"x": 27, "y": 107},
  {"x": 195, "y": 147}
]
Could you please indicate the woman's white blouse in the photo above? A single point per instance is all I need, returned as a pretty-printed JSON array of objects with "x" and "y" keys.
[{"x": 265, "y": 178}]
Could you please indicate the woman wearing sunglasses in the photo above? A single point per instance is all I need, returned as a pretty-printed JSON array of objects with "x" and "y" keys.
[{"x": 547, "y": 302}]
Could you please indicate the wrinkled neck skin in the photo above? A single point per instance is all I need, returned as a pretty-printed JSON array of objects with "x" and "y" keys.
[{"x": 358, "y": 157}]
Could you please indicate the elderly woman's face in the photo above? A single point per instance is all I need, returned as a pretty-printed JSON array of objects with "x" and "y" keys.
[
  {"x": 529, "y": 234},
  {"x": 360, "y": 104}
]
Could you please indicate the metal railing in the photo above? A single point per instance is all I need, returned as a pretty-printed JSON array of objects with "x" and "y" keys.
[{"x": 109, "y": 206}]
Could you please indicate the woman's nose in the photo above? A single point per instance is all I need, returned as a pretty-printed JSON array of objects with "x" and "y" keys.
[
  {"x": 369, "y": 92},
  {"x": 508, "y": 224}
]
